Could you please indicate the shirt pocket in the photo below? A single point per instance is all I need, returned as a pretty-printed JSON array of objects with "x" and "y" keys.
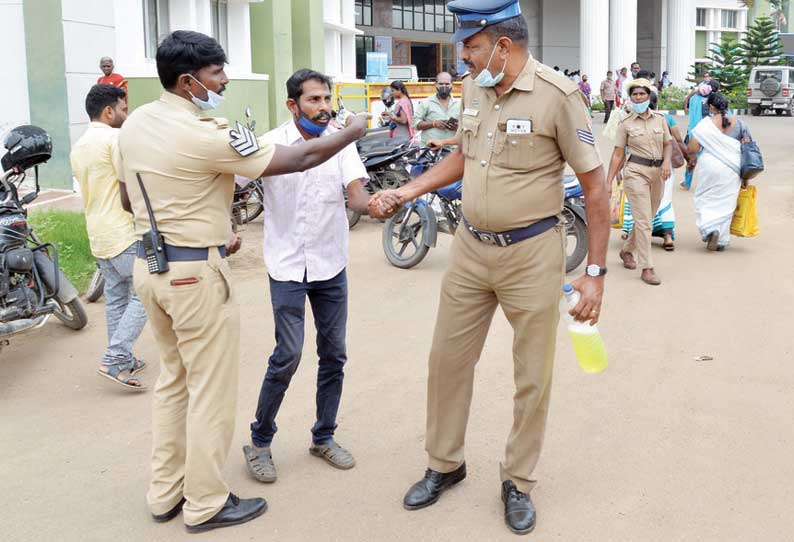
[
  {"x": 514, "y": 151},
  {"x": 469, "y": 130},
  {"x": 328, "y": 190}
]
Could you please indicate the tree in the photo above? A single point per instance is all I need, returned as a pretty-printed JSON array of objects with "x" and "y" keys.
[
  {"x": 777, "y": 10},
  {"x": 727, "y": 67},
  {"x": 760, "y": 45}
]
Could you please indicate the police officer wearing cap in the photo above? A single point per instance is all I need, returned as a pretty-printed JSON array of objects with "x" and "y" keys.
[
  {"x": 647, "y": 137},
  {"x": 520, "y": 123},
  {"x": 184, "y": 164}
]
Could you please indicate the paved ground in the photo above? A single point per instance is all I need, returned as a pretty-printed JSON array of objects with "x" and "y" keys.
[{"x": 659, "y": 447}]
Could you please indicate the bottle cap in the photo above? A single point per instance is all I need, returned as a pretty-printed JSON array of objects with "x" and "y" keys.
[{"x": 567, "y": 289}]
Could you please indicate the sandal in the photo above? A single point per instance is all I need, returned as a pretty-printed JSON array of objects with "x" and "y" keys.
[
  {"x": 114, "y": 373},
  {"x": 668, "y": 244},
  {"x": 334, "y": 454},
  {"x": 138, "y": 365},
  {"x": 260, "y": 463}
]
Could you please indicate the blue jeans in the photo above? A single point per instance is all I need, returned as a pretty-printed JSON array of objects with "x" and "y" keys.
[
  {"x": 124, "y": 312},
  {"x": 328, "y": 299}
]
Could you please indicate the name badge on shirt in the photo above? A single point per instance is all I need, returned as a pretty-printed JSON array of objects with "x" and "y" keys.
[
  {"x": 515, "y": 126},
  {"x": 471, "y": 112}
]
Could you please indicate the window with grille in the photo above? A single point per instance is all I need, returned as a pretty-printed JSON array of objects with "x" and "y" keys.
[
  {"x": 728, "y": 18},
  {"x": 219, "y": 15},
  {"x": 701, "y": 17},
  {"x": 363, "y": 12},
  {"x": 155, "y": 24},
  {"x": 424, "y": 15},
  {"x": 364, "y": 45}
]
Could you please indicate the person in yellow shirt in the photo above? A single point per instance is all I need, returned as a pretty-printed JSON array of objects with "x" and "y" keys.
[{"x": 111, "y": 234}]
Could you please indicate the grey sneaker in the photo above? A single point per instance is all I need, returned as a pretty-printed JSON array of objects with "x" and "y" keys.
[
  {"x": 260, "y": 463},
  {"x": 334, "y": 454}
]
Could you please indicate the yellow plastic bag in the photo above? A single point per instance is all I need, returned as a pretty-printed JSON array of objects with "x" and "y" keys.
[
  {"x": 745, "y": 218},
  {"x": 617, "y": 206}
]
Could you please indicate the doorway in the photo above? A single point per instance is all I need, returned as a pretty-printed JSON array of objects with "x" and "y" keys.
[{"x": 425, "y": 56}]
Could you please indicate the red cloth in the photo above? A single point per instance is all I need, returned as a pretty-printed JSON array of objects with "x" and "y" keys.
[{"x": 113, "y": 79}]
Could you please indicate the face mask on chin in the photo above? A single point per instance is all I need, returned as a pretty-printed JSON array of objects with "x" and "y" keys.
[
  {"x": 641, "y": 107},
  {"x": 309, "y": 126},
  {"x": 484, "y": 78},
  {"x": 213, "y": 98}
]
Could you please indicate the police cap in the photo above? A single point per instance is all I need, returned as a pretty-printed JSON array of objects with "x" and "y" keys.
[{"x": 474, "y": 15}]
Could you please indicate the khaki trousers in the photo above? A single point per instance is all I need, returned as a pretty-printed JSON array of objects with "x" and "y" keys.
[
  {"x": 526, "y": 280},
  {"x": 644, "y": 189},
  {"x": 197, "y": 328}
]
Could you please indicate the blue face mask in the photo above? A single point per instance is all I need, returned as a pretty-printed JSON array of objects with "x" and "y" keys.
[
  {"x": 485, "y": 79},
  {"x": 213, "y": 98},
  {"x": 311, "y": 127},
  {"x": 641, "y": 107}
]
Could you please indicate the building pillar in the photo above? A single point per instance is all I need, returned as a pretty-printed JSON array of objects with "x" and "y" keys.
[
  {"x": 308, "y": 34},
  {"x": 622, "y": 34},
  {"x": 680, "y": 39},
  {"x": 47, "y": 93},
  {"x": 271, "y": 52},
  {"x": 594, "y": 39}
]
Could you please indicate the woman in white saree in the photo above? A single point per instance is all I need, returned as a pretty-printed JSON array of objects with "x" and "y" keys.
[{"x": 717, "y": 167}]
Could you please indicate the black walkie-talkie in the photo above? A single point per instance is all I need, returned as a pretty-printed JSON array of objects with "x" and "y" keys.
[{"x": 153, "y": 243}]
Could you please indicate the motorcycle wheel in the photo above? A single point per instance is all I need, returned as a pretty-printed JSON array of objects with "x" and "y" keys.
[
  {"x": 575, "y": 241},
  {"x": 71, "y": 314},
  {"x": 352, "y": 217},
  {"x": 96, "y": 287},
  {"x": 253, "y": 205},
  {"x": 404, "y": 240}
]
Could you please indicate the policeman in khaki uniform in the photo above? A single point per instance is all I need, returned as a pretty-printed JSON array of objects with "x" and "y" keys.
[
  {"x": 646, "y": 134},
  {"x": 187, "y": 164},
  {"x": 520, "y": 123}
]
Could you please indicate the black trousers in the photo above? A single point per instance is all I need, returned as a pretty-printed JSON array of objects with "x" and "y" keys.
[{"x": 608, "y": 106}]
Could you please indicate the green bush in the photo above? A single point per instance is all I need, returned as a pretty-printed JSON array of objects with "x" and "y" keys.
[
  {"x": 66, "y": 230},
  {"x": 737, "y": 98},
  {"x": 672, "y": 98}
]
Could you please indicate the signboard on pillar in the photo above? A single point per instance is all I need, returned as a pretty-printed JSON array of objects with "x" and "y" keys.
[{"x": 383, "y": 45}]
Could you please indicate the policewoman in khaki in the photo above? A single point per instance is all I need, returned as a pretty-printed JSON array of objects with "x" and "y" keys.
[
  {"x": 647, "y": 137},
  {"x": 187, "y": 164},
  {"x": 520, "y": 123}
]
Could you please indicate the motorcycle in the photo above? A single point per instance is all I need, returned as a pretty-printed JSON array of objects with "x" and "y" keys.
[
  {"x": 411, "y": 232},
  {"x": 32, "y": 285},
  {"x": 386, "y": 161}
]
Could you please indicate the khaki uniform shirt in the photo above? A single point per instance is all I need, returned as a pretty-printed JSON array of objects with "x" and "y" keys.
[
  {"x": 110, "y": 228},
  {"x": 644, "y": 138},
  {"x": 187, "y": 165},
  {"x": 516, "y": 146}
]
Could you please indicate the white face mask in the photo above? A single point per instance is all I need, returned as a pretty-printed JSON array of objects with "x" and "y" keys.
[
  {"x": 484, "y": 78},
  {"x": 213, "y": 98}
]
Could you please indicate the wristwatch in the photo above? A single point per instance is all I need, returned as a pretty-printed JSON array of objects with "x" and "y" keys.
[{"x": 594, "y": 270}]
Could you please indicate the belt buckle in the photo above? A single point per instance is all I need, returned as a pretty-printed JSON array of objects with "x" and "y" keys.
[{"x": 487, "y": 238}]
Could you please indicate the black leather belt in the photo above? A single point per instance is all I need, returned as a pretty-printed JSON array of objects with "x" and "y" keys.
[
  {"x": 507, "y": 238},
  {"x": 184, "y": 254},
  {"x": 645, "y": 161}
]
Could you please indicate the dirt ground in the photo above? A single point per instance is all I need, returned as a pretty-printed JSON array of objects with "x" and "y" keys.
[{"x": 659, "y": 447}]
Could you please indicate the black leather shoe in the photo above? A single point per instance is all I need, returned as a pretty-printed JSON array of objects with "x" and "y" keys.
[
  {"x": 427, "y": 490},
  {"x": 234, "y": 512},
  {"x": 519, "y": 510},
  {"x": 171, "y": 514}
]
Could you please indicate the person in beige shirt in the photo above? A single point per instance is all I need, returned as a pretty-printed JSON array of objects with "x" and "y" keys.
[
  {"x": 186, "y": 163},
  {"x": 520, "y": 123},
  {"x": 608, "y": 92},
  {"x": 110, "y": 231},
  {"x": 646, "y": 135}
]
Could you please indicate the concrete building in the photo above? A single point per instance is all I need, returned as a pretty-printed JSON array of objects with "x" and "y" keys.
[
  {"x": 715, "y": 19},
  {"x": 57, "y": 45},
  {"x": 590, "y": 35}
]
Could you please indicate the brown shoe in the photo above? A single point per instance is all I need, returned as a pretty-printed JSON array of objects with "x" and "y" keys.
[
  {"x": 650, "y": 277},
  {"x": 628, "y": 260}
]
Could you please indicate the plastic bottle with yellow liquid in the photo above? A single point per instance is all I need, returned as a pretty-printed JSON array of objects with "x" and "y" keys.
[{"x": 587, "y": 343}]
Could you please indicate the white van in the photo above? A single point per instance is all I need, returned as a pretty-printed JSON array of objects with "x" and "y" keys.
[{"x": 403, "y": 72}]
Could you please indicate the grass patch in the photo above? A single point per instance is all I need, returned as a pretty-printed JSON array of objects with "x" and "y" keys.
[{"x": 66, "y": 230}]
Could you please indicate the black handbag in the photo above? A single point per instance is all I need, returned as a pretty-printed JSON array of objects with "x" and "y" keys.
[{"x": 752, "y": 160}]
